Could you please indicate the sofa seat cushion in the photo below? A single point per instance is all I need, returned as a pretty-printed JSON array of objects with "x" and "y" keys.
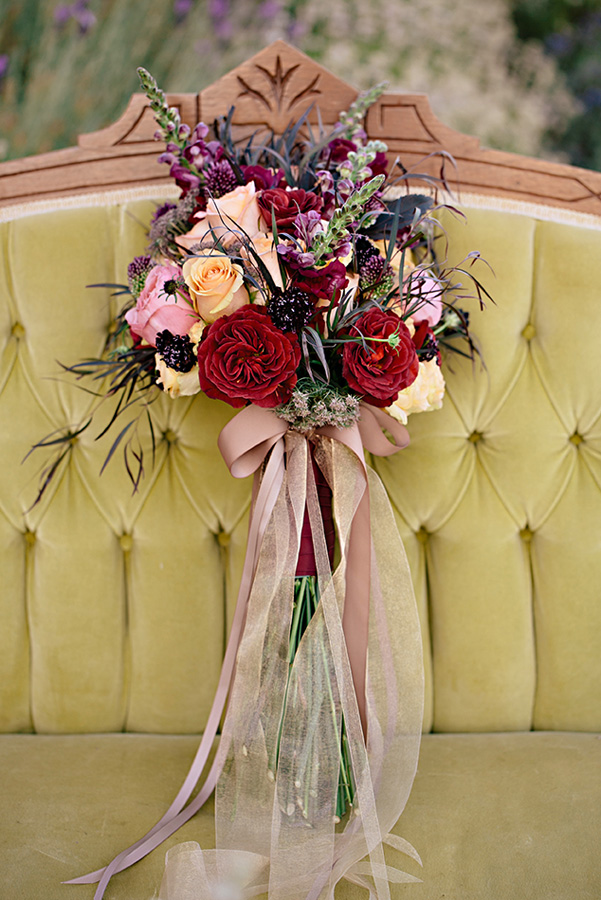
[{"x": 494, "y": 816}]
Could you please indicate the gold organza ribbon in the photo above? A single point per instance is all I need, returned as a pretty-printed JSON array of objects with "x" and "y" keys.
[{"x": 278, "y": 761}]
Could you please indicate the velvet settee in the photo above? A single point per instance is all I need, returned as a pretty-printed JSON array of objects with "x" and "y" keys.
[{"x": 114, "y": 608}]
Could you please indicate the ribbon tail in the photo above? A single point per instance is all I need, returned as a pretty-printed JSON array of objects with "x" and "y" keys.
[{"x": 178, "y": 813}]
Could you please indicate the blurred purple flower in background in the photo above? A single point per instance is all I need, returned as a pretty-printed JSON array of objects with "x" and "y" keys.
[
  {"x": 269, "y": 9},
  {"x": 219, "y": 11},
  {"x": 77, "y": 11},
  {"x": 181, "y": 8},
  {"x": 4, "y": 61},
  {"x": 295, "y": 30}
]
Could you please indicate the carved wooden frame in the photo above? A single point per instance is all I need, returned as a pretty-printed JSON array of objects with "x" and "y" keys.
[{"x": 269, "y": 90}]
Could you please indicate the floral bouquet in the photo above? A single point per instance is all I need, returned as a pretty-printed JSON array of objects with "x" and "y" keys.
[{"x": 297, "y": 281}]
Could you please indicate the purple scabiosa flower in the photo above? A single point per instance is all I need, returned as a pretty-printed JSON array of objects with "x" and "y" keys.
[
  {"x": 161, "y": 210},
  {"x": 220, "y": 178},
  {"x": 137, "y": 272}
]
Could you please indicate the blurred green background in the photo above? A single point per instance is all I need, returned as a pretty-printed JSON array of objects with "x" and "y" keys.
[{"x": 522, "y": 75}]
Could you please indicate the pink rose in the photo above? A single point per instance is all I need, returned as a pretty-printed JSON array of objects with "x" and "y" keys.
[
  {"x": 229, "y": 218},
  {"x": 157, "y": 309},
  {"x": 425, "y": 299}
]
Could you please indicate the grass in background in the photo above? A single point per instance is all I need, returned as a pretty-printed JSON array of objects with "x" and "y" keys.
[{"x": 67, "y": 69}]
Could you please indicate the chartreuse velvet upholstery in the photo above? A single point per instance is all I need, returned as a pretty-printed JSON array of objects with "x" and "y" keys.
[{"x": 114, "y": 608}]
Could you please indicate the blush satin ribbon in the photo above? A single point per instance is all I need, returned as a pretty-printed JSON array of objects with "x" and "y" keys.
[{"x": 251, "y": 441}]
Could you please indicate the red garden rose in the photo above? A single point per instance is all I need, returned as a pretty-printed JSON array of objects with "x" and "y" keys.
[
  {"x": 380, "y": 370},
  {"x": 286, "y": 206},
  {"x": 245, "y": 358}
]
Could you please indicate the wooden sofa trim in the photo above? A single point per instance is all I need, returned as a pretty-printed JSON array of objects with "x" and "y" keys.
[{"x": 269, "y": 90}]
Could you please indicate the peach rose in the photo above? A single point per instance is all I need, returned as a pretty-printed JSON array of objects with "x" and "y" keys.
[
  {"x": 157, "y": 310},
  {"x": 264, "y": 245},
  {"x": 216, "y": 285},
  {"x": 228, "y": 218}
]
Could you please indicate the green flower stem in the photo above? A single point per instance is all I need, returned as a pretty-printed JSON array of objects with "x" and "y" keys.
[{"x": 306, "y": 600}]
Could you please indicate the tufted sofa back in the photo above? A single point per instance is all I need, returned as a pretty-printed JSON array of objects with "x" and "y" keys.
[{"x": 114, "y": 608}]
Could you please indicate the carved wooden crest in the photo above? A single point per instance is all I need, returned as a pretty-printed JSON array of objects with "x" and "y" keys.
[{"x": 269, "y": 91}]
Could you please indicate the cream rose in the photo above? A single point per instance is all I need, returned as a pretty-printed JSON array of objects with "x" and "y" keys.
[
  {"x": 229, "y": 218},
  {"x": 174, "y": 383},
  {"x": 426, "y": 393},
  {"x": 216, "y": 285}
]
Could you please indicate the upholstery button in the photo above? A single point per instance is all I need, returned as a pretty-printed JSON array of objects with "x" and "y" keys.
[
  {"x": 422, "y": 535},
  {"x": 576, "y": 439},
  {"x": 29, "y": 538},
  {"x": 526, "y": 535},
  {"x": 529, "y": 331},
  {"x": 170, "y": 436},
  {"x": 475, "y": 436},
  {"x": 127, "y": 542},
  {"x": 223, "y": 538},
  {"x": 18, "y": 330}
]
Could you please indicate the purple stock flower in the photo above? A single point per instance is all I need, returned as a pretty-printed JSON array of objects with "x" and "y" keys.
[
  {"x": 307, "y": 225},
  {"x": 184, "y": 178},
  {"x": 295, "y": 258},
  {"x": 168, "y": 158}
]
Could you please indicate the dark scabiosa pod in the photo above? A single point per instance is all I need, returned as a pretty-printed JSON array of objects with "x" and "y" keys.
[
  {"x": 176, "y": 350},
  {"x": 375, "y": 277},
  {"x": 290, "y": 310},
  {"x": 364, "y": 251}
]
